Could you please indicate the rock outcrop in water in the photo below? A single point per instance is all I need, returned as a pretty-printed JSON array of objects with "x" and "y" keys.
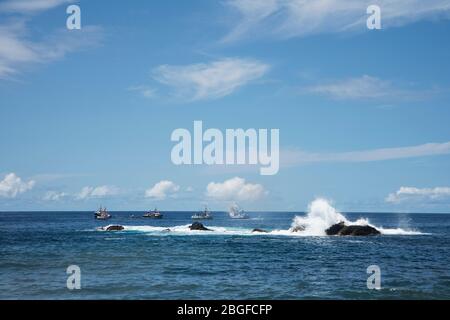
[
  {"x": 198, "y": 226},
  {"x": 334, "y": 229},
  {"x": 340, "y": 229},
  {"x": 260, "y": 230},
  {"x": 114, "y": 228}
]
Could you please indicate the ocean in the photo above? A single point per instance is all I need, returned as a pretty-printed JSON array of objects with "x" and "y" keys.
[{"x": 146, "y": 261}]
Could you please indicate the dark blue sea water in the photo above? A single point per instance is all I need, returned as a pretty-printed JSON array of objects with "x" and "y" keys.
[{"x": 229, "y": 263}]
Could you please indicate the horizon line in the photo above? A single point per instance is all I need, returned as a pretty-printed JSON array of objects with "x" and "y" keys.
[{"x": 218, "y": 211}]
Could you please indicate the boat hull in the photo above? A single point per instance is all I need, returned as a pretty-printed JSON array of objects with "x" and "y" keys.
[
  {"x": 152, "y": 217},
  {"x": 102, "y": 218}
]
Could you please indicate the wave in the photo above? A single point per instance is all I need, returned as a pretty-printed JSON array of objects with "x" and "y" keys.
[
  {"x": 400, "y": 231},
  {"x": 185, "y": 230},
  {"x": 321, "y": 215}
]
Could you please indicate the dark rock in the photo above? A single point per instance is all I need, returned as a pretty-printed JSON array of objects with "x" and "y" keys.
[
  {"x": 260, "y": 230},
  {"x": 335, "y": 228},
  {"x": 359, "y": 231},
  {"x": 198, "y": 226},
  {"x": 341, "y": 229},
  {"x": 114, "y": 228}
]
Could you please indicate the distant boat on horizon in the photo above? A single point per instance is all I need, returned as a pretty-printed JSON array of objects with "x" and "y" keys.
[
  {"x": 203, "y": 215},
  {"x": 102, "y": 214},
  {"x": 154, "y": 214},
  {"x": 236, "y": 212}
]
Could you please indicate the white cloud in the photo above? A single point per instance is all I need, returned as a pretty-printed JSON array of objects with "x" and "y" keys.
[
  {"x": 54, "y": 196},
  {"x": 97, "y": 192},
  {"x": 30, "y": 6},
  {"x": 297, "y": 157},
  {"x": 210, "y": 80},
  {"x": 364, "y": 87},
  {"x": 235, "y": 189},
  {"x": 411, "y": 193},
  {"x": 162, "y": 189},
  {"x": 293, "y": 18},
  {"x": 12, "y": 185}
]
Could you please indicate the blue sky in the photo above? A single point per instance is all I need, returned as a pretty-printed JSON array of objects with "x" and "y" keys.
[{"x": 86, "y": 115}]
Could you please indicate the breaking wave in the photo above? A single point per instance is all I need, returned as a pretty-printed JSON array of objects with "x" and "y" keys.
[
  {"x": 184, "y": 230},
  {"x": 321, "y": 215}
]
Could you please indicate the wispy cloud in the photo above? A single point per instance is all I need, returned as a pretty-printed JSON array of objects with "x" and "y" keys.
[
  {"x": 413, "y": 193},
  {"x": 162, "y": 190},
  {"x": 235, "y": 189},
  {"x": 18, "y": 47},
  {"x": 366, "y": 87},
  {"x": 18, "y": 51},
  {"x": 294, "y": 157},
  {"x": 296, "y": 18},
  {"x": 30, "y": 6},
  {"x": 12, "y": 185},
  {"x": 211, "y": 80},
  {"x": 97, "y": 192},
  {"x": 54, "y": 196}
]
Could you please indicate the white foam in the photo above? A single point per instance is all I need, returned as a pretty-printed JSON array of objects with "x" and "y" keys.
[
  {"x": 400, "y": 231},
  {"x": 321, "y": 215},
  {"x": 184, "y": 229}
]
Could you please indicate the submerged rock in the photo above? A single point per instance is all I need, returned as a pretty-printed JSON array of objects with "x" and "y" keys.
[
  {"x": 198, "y": 226},
  {"x": 114, "y": 228},
  {"x": 340, "y": 229},
  {"x": 260, "y": 230}
]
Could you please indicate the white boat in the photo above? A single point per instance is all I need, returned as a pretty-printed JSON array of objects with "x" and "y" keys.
[
  {"x": 205, "y": 214},
  {"x": 102, "y": 214},
  {"x": 155, "y": 214},
  {"x": 237, "y": 213}
]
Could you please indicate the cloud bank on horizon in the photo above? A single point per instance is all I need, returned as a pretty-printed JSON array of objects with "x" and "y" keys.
[{"x": 12, "y": 185}]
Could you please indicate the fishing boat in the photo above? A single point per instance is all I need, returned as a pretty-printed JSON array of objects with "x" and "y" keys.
[
  {"x": 102, "y": 214},
  {"x": 205, "y": 214},
  {"x": 154, "y": 214},
  {"x": 236, "y": 212}
]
